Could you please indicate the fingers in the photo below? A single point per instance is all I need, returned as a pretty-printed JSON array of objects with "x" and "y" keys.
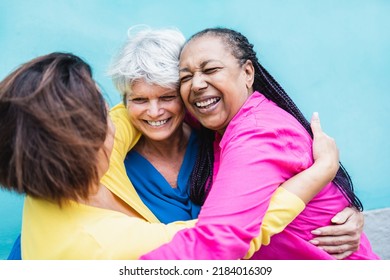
[
  {"x": 342, "y": 249},
  {"x": 343, "y": 216},
  {"x": 325, "y": 241},
  {"x": 334, "y": 230},
  {"x": 343, "y": 238},
  {"x": 315, "y": 124}
]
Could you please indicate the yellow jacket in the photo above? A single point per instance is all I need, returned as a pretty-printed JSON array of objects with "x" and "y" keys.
[{"x": 78, "y": 231}]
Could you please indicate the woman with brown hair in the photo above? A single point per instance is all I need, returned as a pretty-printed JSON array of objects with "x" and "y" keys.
[
  {"x": 55, "y": 146},
  {"x": 55, "y": 143}
]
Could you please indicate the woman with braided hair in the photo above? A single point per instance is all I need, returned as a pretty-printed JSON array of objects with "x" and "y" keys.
[
  {"x": 257, "y": 139},
  {"x": 160, "y": 165},
  {"x": 151, "y": 128}
]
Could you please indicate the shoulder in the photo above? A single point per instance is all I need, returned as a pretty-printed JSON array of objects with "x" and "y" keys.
[
  {"x": 118, "y": 113},
  {"x": 262, "y": 116},
  {"x": 264, "y": 127},
  {"x": 125, "y": 130}
]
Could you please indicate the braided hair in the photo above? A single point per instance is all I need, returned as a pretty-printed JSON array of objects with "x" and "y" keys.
[{"x": 270, "y": 88}]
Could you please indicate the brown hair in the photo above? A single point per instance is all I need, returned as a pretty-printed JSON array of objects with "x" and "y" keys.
[{"x": 52, "y": 123}]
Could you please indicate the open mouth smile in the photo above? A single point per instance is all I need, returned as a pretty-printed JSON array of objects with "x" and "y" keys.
[
  {"x": 207, "y": 103},
  {"x": 157, "y": 123}
]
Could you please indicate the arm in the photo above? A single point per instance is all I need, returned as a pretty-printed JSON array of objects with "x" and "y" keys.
[
  {"x": 325, "y": 153},
  {"x": 252, "y": 164},
  {"x": 290, "y": 198},
  {"x": 343, "y": 237}
]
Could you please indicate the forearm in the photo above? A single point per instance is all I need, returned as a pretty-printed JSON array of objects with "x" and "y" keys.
[
  {"x": 309, "y": 182},
  {"x": 284, "y": 207},
  {"x": 246, "y": 178}
]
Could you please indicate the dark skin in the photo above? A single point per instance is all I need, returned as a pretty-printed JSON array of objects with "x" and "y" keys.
[{"x": 340, "y": 239}]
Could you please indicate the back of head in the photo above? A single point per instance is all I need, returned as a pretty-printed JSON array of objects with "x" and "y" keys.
[
  {"x": 52, "y": 123},
  {"x": 151, "y": 55}
]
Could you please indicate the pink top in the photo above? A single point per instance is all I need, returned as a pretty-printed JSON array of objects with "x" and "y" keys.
[{"x": 262, "y": 147}]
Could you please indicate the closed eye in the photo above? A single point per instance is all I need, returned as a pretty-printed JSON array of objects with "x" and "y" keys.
[
  {"x": 211, "y": 70},
  {"x": 168, "y": 97},
  {"x": 185, "y": 79},
  {"x": 137, "y": 100}
]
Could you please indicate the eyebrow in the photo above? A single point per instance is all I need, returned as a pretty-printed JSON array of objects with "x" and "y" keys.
[
  {"x": 166, "y": 92},
  {"x": 203, "y": 64}
]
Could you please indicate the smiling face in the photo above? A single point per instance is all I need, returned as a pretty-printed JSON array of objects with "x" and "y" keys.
[
  {"x": 156, "y": 111},
  {"x": 213, "y": 85}
]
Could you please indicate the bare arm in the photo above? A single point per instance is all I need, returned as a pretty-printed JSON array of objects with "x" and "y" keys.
[
  {"x": 310, "y": 181},
  {"x": 300, "y": 189},
  {"x": 343, "y": 237}
]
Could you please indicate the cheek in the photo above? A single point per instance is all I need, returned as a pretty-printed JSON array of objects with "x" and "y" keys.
[
  {"x": 186, "y": 102},
  {"x": 133, "y": 111},
  {"x": 184, "y": 91},
  {"x": 179, "y": 106},
  {"x": 188, "y": 106}
]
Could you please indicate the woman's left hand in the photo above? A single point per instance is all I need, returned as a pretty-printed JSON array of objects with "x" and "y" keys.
[{"x": 343, "y": 237}]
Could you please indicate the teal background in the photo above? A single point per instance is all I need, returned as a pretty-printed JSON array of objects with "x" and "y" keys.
[{"x": 330, "y": 56}]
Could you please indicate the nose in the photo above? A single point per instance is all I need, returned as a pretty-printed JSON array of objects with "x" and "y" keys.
[
  {"x": 155, "y": 109},
  {"x": 198, "y": 82}
]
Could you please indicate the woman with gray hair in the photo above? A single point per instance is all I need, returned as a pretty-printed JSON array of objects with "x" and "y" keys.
[
  {"x": 156, "y": 146},
  {"x": 145, "y": 72},
  {"x": 164, "y": 165}
]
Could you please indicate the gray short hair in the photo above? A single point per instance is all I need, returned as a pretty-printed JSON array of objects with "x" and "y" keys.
[{"x": 151, "y": 55}]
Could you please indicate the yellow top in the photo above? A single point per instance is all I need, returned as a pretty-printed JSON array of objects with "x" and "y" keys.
[{"x": 78, "y": 231}]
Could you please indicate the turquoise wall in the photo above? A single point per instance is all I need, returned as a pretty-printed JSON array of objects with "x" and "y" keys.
[{"x": 331, "y": 56}]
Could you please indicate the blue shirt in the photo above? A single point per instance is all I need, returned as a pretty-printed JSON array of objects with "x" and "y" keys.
[{"x": 167, "y": 204}]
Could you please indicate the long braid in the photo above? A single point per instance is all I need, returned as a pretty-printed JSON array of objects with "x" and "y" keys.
[
  {"x": 202, "y": 173},
  {"x": 270, "y": 88},
  {"x": 273, "y": 91}
]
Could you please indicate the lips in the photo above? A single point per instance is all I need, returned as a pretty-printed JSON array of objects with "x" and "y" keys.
[{"x": 207, "y": 103}]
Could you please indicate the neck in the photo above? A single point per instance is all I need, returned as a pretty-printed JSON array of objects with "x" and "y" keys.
[{"x": 96, "y": 193}]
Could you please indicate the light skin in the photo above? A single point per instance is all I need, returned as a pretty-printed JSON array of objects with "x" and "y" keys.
[
  {"x": 158, "y": 113},
  {"x": 103, "y": 198},
  {"x": 214, "y": 86}
]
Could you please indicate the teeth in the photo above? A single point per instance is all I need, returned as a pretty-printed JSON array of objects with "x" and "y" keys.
[
  {"x": 157, "y": 123},
  {"x": 206, "y": 102}
]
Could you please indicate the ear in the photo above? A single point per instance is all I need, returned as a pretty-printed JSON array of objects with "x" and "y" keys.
[{"x": 249, "y": 72}]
